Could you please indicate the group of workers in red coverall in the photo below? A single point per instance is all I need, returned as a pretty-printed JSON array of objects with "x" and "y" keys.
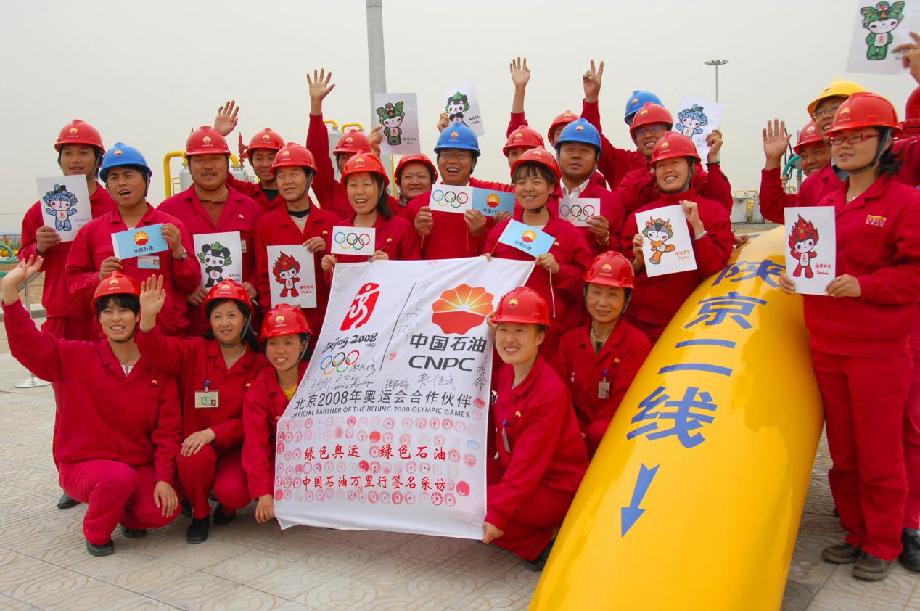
[{"x": 206, "y": 390}]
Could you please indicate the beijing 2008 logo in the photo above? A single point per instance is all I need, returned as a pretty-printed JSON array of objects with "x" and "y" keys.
[
  {"x": 339, "y": 362},
  {"x": 362, "y": 306},
  {"x": 452, "y": 198}
]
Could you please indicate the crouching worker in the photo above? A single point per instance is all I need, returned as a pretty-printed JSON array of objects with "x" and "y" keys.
[
  {"x": 539, "y": 457},
  {"x": 287, "y": 336},
  {"x": 118, "y": 432},
  {"x": 214, "y": 374},
  {"x": 600, "y": 360}
]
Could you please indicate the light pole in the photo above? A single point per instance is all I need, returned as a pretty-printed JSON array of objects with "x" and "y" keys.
[
  {"x": 716, "y": 63},
  {"x": 377, "y": 67}
]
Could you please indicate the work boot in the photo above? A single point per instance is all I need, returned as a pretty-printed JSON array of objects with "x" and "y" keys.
[
  {"x": 910, "y": 552},
  {"x": 66, "y": 501},
  {"x": 197, "y": 531},
  {"x": 222, "y": 516},
  {"x": 871, "y": 568},
  {"x": 841, "y": 553},
  {"x": 539, "y": 562},
  {"x": 133, "y": 533},
  {"x": 100, "y": 550}
]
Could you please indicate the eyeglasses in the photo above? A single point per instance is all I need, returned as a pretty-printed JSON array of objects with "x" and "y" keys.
[
  {"x": 651, "y": 129},
  {"x": 827, "y": 110},
  {"x": 852, "y": 138}
]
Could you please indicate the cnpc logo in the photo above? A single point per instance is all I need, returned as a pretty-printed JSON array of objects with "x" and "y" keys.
[
  {"x": 456, "y": 200},
  {"x": 352, "y": 239},
  {"x": 339, "y": 362}
]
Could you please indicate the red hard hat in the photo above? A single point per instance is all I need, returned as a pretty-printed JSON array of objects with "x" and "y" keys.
[
  {"x": 610, "y": 269},
  {"x": 537, "y": 155},
  {"x": 292, "y": 155},
  {"x": 267, "y": 139},
  {"x": 117, "y": 284},
  {"x": 352, "y": 142},
  {"x": 650, "y": 114},
  {"x": 79, "y": 132},
  {"x": 522, "y": 305},
  {"x": 912, "y": 113},
  {"x": 416, "y": 158},
  {"x": 672, "y": 145},
  {"x": 365, "y": 162},
  {"x": 284, "y": 319},
  {"x": 206, "y": 141},
  {"x": 524, "y": 137},
  {"x": 865, "y": 109},
  {"x": 560, "y": 121},
  {"x": 229, "y": 289},
  {"x": 810, "y": 134}
]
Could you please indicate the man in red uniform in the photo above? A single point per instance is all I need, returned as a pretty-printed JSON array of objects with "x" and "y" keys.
[
  {"x": 210, "y": 206},
  {"x": 79, "y": 148},
  {"x": 299, "y": 223},
  {"x": 118, "y": 422},
  {"x": 537, "y": 455},
  {"x": 815, "y": 155}
]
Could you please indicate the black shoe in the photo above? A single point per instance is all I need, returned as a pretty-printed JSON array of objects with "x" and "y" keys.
[
  {"x": 910, "y": 552},
  {"x": 100, "y": 550},
  {"x": 221, "y": 518},
  {"x": 66, "y": 502},
  {"x": 871, "y": 568},
  {"x": 197, "y": 531},
  {"x": 186, "y": 508},
  {"x": 841, "y": 553},
  {"x": 539, "y": 562},
  {"x": 133, "y": 533}
]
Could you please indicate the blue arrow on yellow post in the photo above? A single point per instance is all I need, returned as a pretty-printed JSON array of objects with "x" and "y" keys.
[{"x": 629, "y": 515}]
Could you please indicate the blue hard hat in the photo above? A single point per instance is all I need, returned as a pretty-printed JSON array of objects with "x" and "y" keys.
[
  {"x": 580, "y": 130},
  {"x": 637, "y": 100},
  {"x": 458, "y": 136},
  {"x": 121, "y": 155}
]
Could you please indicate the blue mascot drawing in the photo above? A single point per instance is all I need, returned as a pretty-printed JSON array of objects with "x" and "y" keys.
[
  {"x": 691, "y": 121},
  {"x": 60, "y": 204}
]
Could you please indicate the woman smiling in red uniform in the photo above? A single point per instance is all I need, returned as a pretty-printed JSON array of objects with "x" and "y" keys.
[
  {"x": 287, "y": 336},
  {"x": 214, "y": 375}
]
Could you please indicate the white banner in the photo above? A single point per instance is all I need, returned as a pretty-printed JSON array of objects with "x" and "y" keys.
[{"x": 388, "y": 428}]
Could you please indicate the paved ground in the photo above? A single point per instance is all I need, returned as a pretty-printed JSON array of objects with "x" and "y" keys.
[{"x": 43, "y": 563}]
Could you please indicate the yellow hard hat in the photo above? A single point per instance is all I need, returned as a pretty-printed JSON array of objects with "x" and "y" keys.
[{"x": 836, "y": 89}]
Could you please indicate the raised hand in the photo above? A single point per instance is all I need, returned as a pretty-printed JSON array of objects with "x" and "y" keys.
[
  {"x": 591, "y": 81},
  {"x": 910, "y": 55},
  {"x": 520, "y": 73},
  {"x": 775, "y": 141},
  {"x": 319, "y": 87},
  {"x": 227, "y": 117},
  {"x": 153, "y": 296}
]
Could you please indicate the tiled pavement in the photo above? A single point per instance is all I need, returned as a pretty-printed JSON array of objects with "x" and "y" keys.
[{"x": 43, "y": 563}]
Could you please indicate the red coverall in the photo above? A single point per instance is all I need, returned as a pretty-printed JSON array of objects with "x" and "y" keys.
[
  {"x": 394, "y": 236},
  {"x": 611, "y": 209},
  {"x": 638, "y": 188},
  {"x": 584, "y": 369},
  {"x": 238, "y": 213},
  {"x": 263, "y": 405},
  {"x": 614, "y": 162},
  {"x": 278, "y": 228},
  {"x": 119, "y": 434},
  {"x": 862, "y": 362},
  {"x": 563, "y": 290},
  {"x": 655, "y": 300},
  {"x": 198, "y": 363},
  {"x": 62, "y": 317},
  {"x": 533, "y": 479},
  {"x": 94, "y": 244},
  {"x": 255, "y": 192}
]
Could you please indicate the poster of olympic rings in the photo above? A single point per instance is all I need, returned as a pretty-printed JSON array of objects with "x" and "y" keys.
[
  {"x": 578, "y": 211},
  {"x": 353, "y": 240},
  {"x": 448, "y": 198}
]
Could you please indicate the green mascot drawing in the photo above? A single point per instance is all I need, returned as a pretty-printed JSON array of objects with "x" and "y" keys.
[
  {"x": 391, "y": 117},
  {"x": 881, "y": 20}
]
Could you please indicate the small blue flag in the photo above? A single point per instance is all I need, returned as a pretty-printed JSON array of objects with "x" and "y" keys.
[
  {"x": 139, "y": 241},
  {"x": 491, "y": 202},
  {"x": 533, "y": 241}
]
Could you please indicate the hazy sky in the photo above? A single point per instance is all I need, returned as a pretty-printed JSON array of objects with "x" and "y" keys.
[{"x": 145, "y": 73}]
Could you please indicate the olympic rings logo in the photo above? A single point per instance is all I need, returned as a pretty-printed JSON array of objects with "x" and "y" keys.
[
  {"x": 577, "y": 211},
  {"x": 338, "y": 363},
  {"x": 351, "y": 239},
  {"x": 452, "y": 198}
]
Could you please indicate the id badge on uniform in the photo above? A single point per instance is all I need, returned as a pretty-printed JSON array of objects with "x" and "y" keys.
[
  {"x": 148, "y": 262},
  {"x": 206, "y": 399},
  {"x": 603, "y": 389}
]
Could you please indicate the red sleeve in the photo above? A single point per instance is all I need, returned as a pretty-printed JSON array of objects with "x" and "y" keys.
[
  {"x": 899, "y": 282},
  {"x": 909, "y": 151},
  {"x": 560, "y": 360},
  {"x": 172, "y": 355},
  {"x": 713, "y": 249},
  {"x": 80, "y": 269},
  {"x": 410, "y": 244},
  {"x": 249, "y": 189},
  {"x": 491, "y": 240},
  {"x": 630, "y": 229},
  {"x": 258, "y": 447},
  {"x": 630, "y": 190},
  {"x": 31, "y": 222},
  {"x": 36, "y": 350},
  {"x": 615, "y": 213},
  {"x": 186, "y": 272},
  {"x": 773, "y": 197},
  {"x": 517, "y": 120},
  {"x": 261, "y": 271},
  {"x": 530, "y": 458},
  {"x": 166, "y": 436},
  {"x": 633, "y": 358},
  {"x": 488, "y": 184},
  {"x": 324, "y": 177},
  {"x": 228, "y": 434},
  {"x": 606, "y": 163},
  {"x": 716, "y": 187},
  {"x": 571, "y": 272}
]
